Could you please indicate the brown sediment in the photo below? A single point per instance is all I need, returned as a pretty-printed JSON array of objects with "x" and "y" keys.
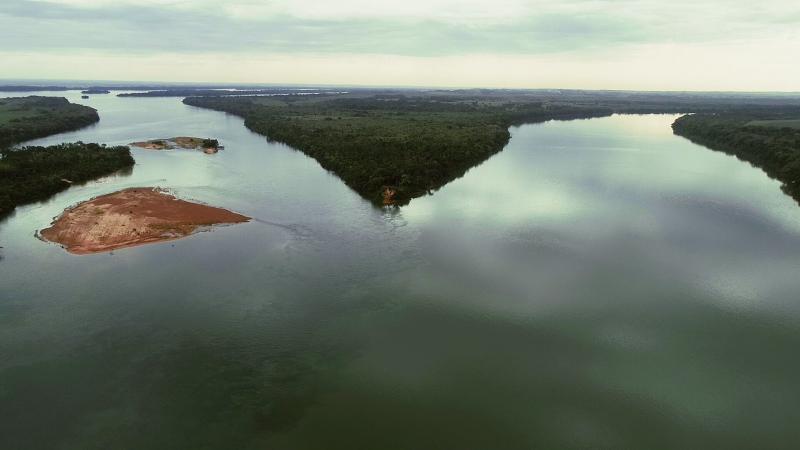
[
  {"x": 157, "y": 144},
  {"x": 180, "y": 142},
  {"x": 187, "y": 142},
  {"x": 132, "y": 217},
  {"x": 388, "y": 195}
]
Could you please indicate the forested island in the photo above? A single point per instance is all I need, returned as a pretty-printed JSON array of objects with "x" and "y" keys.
[
  {"x": 95, "y": 91},
  {"x": 391, "y": 148},
  {"x": 30, "y": 174},
  {"x": 768, "y": 141},
  {"x": 25, "y": 118}
]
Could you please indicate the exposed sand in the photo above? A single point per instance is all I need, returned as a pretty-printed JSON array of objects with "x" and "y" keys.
[
  {"x": 156, "y": 144},
  {"x": 184, "y": 142},
  {"x": 132, "y": 217}
]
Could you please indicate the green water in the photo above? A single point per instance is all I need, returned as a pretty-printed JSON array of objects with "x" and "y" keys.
[{"x": 598, "y": 284}]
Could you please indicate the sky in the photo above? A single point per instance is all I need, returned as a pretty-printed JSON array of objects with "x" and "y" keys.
[{"x": 721, "y": 45}]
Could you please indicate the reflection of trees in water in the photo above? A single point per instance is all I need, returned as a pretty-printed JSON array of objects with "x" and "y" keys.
[{"x": 773, "y": 148}]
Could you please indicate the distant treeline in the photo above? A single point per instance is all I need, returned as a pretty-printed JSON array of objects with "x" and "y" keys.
[
  {"x": 19, "y": 88},
  {"x": 25, "y": 118},
  {"x": 154, "y": 87},
  {"x": 31, "y": 174},
  {"x": 213, "y": 92},
  {"x": 390, "y": 148},
  {"x": 752, "y": 138}
]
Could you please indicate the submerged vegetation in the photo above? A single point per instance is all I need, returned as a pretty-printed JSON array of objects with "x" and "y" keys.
[
  {"x": 391, "y": 148},
  {"x": 31, "y": 174},
  {"x": 25, "y": 118},
  {"x": 768, "y": 141}
]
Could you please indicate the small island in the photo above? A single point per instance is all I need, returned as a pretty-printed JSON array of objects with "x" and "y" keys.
[
  {"x": 96, "y": 91},
  {"x": 132, "y": 217},
  {"x": 206, "y": 145}
]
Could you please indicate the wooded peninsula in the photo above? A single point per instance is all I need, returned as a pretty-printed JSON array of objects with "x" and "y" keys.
[
  {"x": 26, "y": 118},
  {"x": 391, "y": 148}
]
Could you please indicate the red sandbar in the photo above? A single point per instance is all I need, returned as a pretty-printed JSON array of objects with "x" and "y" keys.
[{"x": 132, "y": 217}]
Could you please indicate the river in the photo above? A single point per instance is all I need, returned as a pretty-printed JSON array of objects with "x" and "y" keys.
[{"x": 599, "y": 283}]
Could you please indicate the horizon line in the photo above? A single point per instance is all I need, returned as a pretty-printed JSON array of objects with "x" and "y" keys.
[{"x": 72, "y": 83}]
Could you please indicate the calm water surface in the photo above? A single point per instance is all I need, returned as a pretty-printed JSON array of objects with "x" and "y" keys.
[{"x": 598, "y": 284}]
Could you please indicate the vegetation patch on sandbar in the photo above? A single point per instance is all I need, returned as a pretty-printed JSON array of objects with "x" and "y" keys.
[{"x": 206, "y": 145}]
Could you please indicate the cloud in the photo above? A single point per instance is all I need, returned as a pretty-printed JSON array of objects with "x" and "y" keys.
[
  {"x": 423, "y": 28},
  {"x": 276, "y": 27},
  {"x": 572, "y": 30}
]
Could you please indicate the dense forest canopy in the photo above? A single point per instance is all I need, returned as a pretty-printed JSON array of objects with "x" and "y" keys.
[
  {"x": 30, "y": 174},
  {"x": 25, "y": 118}
]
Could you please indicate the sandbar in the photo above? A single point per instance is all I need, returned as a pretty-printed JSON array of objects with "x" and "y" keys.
[
  {"x": 132, "y": 217},
  {"x": 206, "y": 145}
]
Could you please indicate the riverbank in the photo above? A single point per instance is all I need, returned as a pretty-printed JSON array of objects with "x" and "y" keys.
[
  {"x": 132, "y": 217},
  {"x": 770, "y": 142}
]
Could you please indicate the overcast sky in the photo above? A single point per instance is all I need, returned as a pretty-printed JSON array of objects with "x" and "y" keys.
[{"x": 610, "y": 44}]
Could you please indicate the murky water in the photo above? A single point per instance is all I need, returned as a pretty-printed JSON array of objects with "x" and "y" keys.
[{"x": 598, "y": 284}]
